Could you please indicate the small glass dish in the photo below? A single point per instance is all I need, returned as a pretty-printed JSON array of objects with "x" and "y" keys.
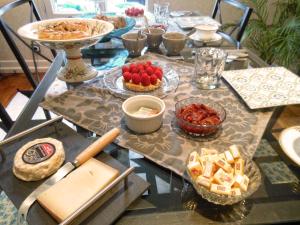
[
  {"x": 250, "y": 169},
  {"x": 197, "y": 130}
]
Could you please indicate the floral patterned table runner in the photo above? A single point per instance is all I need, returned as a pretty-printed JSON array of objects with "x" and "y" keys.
[{"x": 93, "y": 107}]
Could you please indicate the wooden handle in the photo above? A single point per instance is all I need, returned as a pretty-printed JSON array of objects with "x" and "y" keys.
[{"x": 97, "y": 146}]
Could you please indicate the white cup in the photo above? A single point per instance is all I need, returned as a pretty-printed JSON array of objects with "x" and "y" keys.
[{"x": 205, "y": 31}]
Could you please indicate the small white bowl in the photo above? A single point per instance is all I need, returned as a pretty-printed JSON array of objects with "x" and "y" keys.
[
  {"x": 143, "y": 125},
  {"x": 205, "y": 32}
]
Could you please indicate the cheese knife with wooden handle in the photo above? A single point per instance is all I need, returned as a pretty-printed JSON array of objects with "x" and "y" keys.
[{"x": 85, "y": 155}]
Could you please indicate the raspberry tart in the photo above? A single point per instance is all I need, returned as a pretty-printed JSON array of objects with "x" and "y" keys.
[{"x": 142, "y": 77}]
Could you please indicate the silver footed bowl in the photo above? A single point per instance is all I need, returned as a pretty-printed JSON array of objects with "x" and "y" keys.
[{"x": 75, "y": 69}]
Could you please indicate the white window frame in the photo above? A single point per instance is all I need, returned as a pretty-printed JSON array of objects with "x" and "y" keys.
[{"x": 52, "y": 13}]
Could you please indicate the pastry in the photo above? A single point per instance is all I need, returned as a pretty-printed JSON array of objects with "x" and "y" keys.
[{"x": 142, "y": 77}]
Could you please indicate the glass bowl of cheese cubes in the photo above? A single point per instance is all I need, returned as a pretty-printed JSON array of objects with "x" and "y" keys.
[{"x": 223, "y": 178}]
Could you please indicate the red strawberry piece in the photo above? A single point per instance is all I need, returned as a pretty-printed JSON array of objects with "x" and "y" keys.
[
  {"x": 125, "y": 69},
  {"x": 153, "y": 79},
  {"x": 149, "y": 70},
  {"x": 127, "y": 76},
  {"x": 135, "y": 12},
  {"x": 142, "y": 11},
  {"x": 158, "y": 74},
  {"x": 145, "y": 80},
  {"x": 136, "y": 79},
  {"x": 142, "y": 71},
  {"x": 149, "y": 63}
]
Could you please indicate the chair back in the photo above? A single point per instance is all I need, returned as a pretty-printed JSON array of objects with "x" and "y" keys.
[
  {"x": 240, "y": 26},
  {"x": 9, "y": 33}
]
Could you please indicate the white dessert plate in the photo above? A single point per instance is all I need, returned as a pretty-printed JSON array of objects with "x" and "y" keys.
[{"x": 289, "y": 141}]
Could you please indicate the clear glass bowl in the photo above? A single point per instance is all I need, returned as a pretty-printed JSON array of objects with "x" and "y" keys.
[
  {"x": 194, "y": 129},
  {"x": 250, "y": 169}
]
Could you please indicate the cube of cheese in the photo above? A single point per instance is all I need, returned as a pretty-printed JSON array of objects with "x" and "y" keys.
[
  {"x": 235, "y": 151},
  {"x": 222, "y": 156},
  {"x": 224, "y": 165},
  {"x": 223, "y": 178},
  {"x": 239, "y": 167},
  {"x": 220, "y": 189},
  {"x": 208, "y": 151},
  {"x": 203, "y": 181},
  {"x": 235, "y": 192},
  {"x": 194, "y": 157},
  {"x": 195, "y": 168},
  {"x": 206, "y": 158},
  {"x": 245, "y": 183},
  {"x": 229, "y": 157},
  {"x": 208, "y": 169},
  {"x": 238, "y": 180}
]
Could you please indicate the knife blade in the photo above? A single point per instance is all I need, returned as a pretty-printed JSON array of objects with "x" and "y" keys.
[{"x": 85, "y": 155}]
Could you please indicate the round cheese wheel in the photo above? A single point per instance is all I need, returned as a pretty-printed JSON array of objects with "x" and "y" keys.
[{"x": 38, "y": 159}]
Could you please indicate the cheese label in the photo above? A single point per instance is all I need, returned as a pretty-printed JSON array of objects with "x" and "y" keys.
[{"x": 38, "y": 153}]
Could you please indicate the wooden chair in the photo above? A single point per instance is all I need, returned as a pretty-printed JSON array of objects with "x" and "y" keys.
[
  {"x": 239, "y": 27},
  {"x": 9, "y": 34}
]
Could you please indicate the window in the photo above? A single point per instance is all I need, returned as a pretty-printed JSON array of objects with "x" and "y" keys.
[{"x": 62, "y": 8}]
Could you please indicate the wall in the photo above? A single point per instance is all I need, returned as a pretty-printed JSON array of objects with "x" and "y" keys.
[{"x": 16, "y": 18}]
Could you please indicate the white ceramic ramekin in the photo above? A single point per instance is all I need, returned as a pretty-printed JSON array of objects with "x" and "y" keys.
[{"x": 143, "y": 125}]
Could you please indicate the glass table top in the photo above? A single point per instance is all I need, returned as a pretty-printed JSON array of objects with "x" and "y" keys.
[{"x": 172, "y": 200}]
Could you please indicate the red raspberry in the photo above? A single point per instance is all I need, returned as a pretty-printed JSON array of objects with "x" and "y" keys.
[
  {"x": 143, "y": 74},
  {"x": 149, "y": 70},
  {"x": 134, "y": 70},
  {"x": 136, "y": 79},
  {"x": 127, "y": 76},
  {"x": 145, "y": 79},
  {"x": 131, "y": 66},
  {"x": 153, "y": 79},
  {"x": 125, "y": 69},
  {"x": 140, "y": 67},
  {"x": 142, "y": 71},
  {"x": 158, "y": 74},
  {"x": 158, "y": 68}
]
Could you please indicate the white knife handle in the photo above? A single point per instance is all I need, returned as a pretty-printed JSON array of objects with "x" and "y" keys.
[{"x": 97, "y": 146}]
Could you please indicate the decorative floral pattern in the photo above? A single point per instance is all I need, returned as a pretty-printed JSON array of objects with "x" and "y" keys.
[
  {"x": 93, "y": 107},
  {"x": 265, "y": 87}
]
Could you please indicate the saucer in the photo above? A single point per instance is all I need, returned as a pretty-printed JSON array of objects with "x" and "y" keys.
[
  {"x": 180, "y": 13},
  {"x": 289, "y": 141},
  {"x": 198, "y": 41}
]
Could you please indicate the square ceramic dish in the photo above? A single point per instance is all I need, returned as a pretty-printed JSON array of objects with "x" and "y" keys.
[{"x": 265, "y": 87}]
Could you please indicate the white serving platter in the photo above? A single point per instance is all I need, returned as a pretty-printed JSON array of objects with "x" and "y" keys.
[{"x": 289, "y": 141}]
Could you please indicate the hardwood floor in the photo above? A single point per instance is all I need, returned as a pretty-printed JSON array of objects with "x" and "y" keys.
[{"x": 9, "y": 84}]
